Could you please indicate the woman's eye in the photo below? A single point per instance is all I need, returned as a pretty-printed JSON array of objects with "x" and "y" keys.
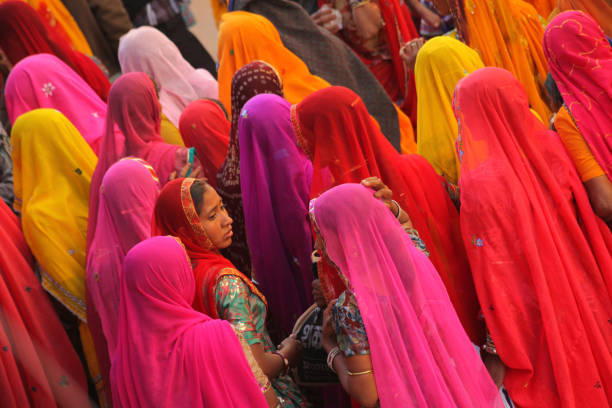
[{"x": 212, "y": 217}]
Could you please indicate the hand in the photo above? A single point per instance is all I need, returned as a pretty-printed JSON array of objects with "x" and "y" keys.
[
  {"x": 197, "y": 172},
  {"x": 328, "y": 332},
  {"x": 496, "y": 368},
  {"x": 382, "y": 192},
  {"x": 327, "y": 18},
  {"x": 430, "y": 17},
  {"x": 410, "y": 50},
  {"x": 291, "y": 349},
  {"x": 317, "y": 293}
]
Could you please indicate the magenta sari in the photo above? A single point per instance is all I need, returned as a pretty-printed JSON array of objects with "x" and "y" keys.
[
  {"x": 421, "y": 355},
  {"x": 169, "y": 355}
]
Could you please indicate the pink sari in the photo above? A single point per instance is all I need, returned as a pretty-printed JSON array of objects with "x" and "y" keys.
[
  {"x": 421, "y": 355},
  {"x": 44, "y": 81},
  {"x": 169, "y": 355},
  {"x": 580, "y": 61}
]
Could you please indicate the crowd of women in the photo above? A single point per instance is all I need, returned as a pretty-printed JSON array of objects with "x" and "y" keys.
[{"x": 370, "y": 203}]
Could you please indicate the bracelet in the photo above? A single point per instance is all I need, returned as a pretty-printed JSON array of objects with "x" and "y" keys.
[
  {"x": 360, "y": 372},
  {"x": 330, "y": 357},
  {"x": 489, "y": 346},
  {"x": 399, "y": 209},
  {"x": 358, "y": 3},
  {"x": 266, "y": 387},
  {"x": 285, "y": 362}
]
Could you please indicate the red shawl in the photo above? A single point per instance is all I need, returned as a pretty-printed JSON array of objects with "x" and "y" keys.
[
  {"x": 540, "y": 257},
  {"x": 176, "y": 215},
  {"x": 345, "y": 145},
  {"x": 24, "y": 33}
]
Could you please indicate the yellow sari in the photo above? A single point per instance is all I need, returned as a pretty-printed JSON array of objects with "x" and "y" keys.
[
  {"x": 170, "y": 133},
  {"x": 55, "y": 14},
  {"x": 245, "y": 37},
  {"x": 506, "y": 36},
  {"x": 440, "y": 64}
]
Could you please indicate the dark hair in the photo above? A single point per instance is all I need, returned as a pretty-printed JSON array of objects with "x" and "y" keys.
[
  {"x": 197, "y": 190},
  {"x": 556, "y": 100},
  {"x": 218, "y": 102}
]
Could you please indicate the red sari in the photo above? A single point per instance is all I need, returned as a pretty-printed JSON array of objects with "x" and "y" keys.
[
  {"x": 335, "y": 130},
  {"x": 176, "y": 215},
  {"x": 38, "y": 366},
  {"x": 540, "y": 257}
]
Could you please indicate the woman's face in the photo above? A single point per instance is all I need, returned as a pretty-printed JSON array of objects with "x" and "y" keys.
[{"x": 215, "y": 219}]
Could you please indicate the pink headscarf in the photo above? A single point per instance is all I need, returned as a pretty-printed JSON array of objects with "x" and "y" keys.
[
  {"x": 134, "y": 109},
  {"x": 44, "y": 81},
  {"x": 127, "y": 197},
  {"x": 146, "y": 49},
  {"x": 420, "y": 353},
  {"x": 580, "y": 61},
  {"x": 169, "y": 355}
]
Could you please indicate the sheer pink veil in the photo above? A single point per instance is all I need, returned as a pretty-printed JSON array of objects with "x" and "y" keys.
[
  {"x": 420, "y": 353},
  {"x": 169, "y": 355}
]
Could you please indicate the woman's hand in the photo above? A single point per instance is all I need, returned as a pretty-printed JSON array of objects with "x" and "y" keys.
[
  {"x": 291, "y": 349},
  {"x": 496, "y": 368},
  {"x": 327, "y": 18},
  {"x": 197, "y": 172},
  {"x": 382, "y": 192},
  {"x": 410, "y": 50},
  {"x": 317, "y": 294},
  {"x": 328, "y": 332}
]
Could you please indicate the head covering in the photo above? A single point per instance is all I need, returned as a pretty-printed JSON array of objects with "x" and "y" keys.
[
  {"x": 39, "y": 366},
  {"x": 146, "y": 49},
  {"x": 580, "y": 60},
  {"x": 440, "y": 64},
  {"x": 175, "y": 214},
  {"x": 420, "y": 354},
  {"x": 132, "y": 108},
  {"x": 44, "y": 81},
  {"x": 255, "y": 78},
  {"x": 52, "y": 171},
  {"x": 600, "y": 10},
  {"x": 345, "y": 145},
  {"x": 23, "y": 33},
  {"x": 275, "y": 186},
  {"x": 540, "y": 257},
  {"x": 203, "y": 125},
  {"x": 127, "y": 197},
  {"x": 167, "y": 353}
]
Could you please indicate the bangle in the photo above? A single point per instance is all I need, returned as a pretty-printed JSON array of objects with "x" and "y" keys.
[
  {"x": 358, "y": 3},
  {"x": 330, "y": 357},
  {"x": 285, "y": 362},
  {"x": 489, "y": 346},
  {"x": 266, "y": 387},
  {"x": 360, "y": 372},
  {"x": 399, "y": 209}
]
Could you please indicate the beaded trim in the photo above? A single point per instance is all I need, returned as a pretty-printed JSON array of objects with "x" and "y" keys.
[
  {"x": 301, "y": 141},
  {"x": 192, "y": 215}
]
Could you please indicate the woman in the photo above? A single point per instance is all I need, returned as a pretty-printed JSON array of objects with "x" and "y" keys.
[
  {"x": 245, "y": 37},
  {"x": 52, "y": 172},
  {"x": 23, "y": 33},
  {"x": 148, "y": 50},
  {"x": 127, "y": 197},
  {"x": 193, "y": 211},
  {"x": 545, "y": 283},
  {"x": 344, "y": 144},
  {"x": 204, "y": 125},
  {"x": 440, "y": 64},
  {"x": 133, "y": 109},
  {"x": 250, "y": 80},
  {"x": 585, "y": 82},
  {"x": 44, "y": 81},
  {"x": 275, "y": 184},
  {"x": 199, "y": 361},
  {"x": 398, "y": 341},
  {"x": 39, "y": 365}
]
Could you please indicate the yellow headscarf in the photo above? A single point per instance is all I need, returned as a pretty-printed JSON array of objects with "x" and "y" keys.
[
  {"x": 440, "y": 64},
  {"x": 52, "y": 171},
  {"x": 246, "y": 37}
]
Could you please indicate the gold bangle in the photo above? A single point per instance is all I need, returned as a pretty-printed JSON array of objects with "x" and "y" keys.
[
  {"x": 357, "y": 4},
  {"x": 266, "y": 387},
  {"x": 360, "y": 372}
]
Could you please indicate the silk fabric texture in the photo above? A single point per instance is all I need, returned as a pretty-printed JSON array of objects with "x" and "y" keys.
[
  {"x": 345, "y": 145},
  {"x": 252, "y": 79},
  {"x": 421, "y": 356},
  {"x": 203, "y": 125},
  {"x": 540, "y": 257},
  {"x": 440, "y": 64},
  {"x": 146, "y": 49},
  {"x": 175, "y": 214},
  {"x": 38, "y": 367},
  {"x": 580, "y": 60},
  {"x": 275, "y": 185},
  {"x": 169, "y": 355},
  {"x": 23, "y": 33},
  {"x": 44, "y": 81}
]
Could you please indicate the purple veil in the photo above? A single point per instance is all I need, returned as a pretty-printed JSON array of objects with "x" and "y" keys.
[
  {"x": 420, "y": 353},
  {"x": 275, "y": 183}
]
